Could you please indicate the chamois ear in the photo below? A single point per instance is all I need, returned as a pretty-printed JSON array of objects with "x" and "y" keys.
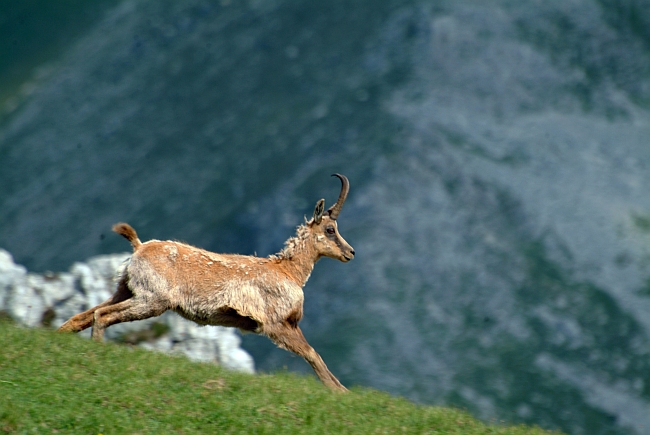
[{"x": 319, "y": 210}]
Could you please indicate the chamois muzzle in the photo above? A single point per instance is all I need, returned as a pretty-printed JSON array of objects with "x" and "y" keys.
[{"x": 345, "y": 188}]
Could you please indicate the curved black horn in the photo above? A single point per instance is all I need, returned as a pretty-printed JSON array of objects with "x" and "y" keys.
[{"x": 345, "y": 188}]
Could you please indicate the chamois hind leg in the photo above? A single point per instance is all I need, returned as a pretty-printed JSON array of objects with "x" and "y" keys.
[
  {"x": 125, "y": 311},
  {"x": 84, "y": 320},
  {"x": 290, "y": 337}
]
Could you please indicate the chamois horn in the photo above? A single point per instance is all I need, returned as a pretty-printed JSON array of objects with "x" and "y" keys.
[{"x": 345, "y": 188}]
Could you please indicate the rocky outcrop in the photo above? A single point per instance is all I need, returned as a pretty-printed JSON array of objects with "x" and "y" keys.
[{"x": 51, "y": 298}]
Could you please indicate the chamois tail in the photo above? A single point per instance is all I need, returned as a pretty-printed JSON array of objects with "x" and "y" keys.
[{"x": 127, "y": 231}]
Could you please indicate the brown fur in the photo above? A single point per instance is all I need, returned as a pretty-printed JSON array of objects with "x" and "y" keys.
[
  {"x": 129, "y": 233},
  {"x": 261, "y": 295}
]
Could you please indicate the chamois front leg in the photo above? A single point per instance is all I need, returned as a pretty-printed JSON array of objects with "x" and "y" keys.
[{"x": 290, "y": 337}]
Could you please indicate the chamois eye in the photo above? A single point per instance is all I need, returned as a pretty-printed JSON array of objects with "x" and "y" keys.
[{"x": 330, "y": 230}]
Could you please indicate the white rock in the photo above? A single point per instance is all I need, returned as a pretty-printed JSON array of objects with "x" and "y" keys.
[
  {"x": 24, "y": 304},
  {"x": 10, "y": 274}
]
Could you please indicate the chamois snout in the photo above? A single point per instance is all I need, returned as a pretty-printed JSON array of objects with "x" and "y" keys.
[{"x": 348, "y": 254}]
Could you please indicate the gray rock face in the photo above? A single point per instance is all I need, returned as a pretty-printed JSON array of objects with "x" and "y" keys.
[{"x": 52, "y": 298}]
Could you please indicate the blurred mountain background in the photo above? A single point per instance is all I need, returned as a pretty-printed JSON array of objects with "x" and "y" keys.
[{"x": 498, "y": 155}]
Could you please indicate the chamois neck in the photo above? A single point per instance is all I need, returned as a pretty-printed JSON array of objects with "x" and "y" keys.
[
  {"x": 298, "y": 255},
  {"x": 300, "y": 266}
]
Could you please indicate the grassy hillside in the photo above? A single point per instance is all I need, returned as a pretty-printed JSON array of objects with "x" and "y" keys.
[{"x": 57, "y": 383}]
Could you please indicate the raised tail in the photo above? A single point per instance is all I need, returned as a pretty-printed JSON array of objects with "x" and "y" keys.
[{"x": 127, "y": 231}]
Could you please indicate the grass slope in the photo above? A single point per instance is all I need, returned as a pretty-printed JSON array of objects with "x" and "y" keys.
[{"x": 59, "y": 383}]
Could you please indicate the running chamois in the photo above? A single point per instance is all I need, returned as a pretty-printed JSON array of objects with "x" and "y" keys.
[{"x": 259, "y": 295}]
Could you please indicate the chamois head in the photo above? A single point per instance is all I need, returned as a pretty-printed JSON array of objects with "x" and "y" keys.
[{"x": 329, "y": 242}]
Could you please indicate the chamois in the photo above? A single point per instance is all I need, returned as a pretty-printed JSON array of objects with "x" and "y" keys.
[{"x": 260, "y": 295}]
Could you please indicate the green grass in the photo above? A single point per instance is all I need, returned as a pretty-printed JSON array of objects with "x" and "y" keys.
[{"x": 60, "y": 383}]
